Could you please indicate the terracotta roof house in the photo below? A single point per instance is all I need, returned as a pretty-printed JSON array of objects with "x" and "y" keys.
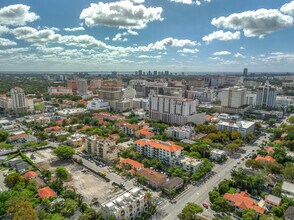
[
  {"x": 135, "y": 165},
  {"x": 243, "y": 201},
  {"x": 54, "y": 128},
  {"x": 270, "y": 150},
  {"x": 16, "y": 137},
  {"x": 268, "y": 159},
  {"x": 153, "y": 178},
  {"x": 46, "y": 192},
  {"x": 30, "y": 175}
]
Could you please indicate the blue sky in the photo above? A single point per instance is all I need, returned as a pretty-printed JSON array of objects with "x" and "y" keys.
[{"x": 127, "y": 35}]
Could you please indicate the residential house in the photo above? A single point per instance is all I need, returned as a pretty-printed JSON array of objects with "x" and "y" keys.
[
  {"x": 271, "y": 200},
  {"x": 153, "y": 178},
  {"x": 217, "y": 154},
  {"x": 144, "y": 133},
  {"x": 288, "y": 189},
  {"x": 267, "y": 159},
  {"x": 289, "y": 213},
  {"x": 174, "y": 184},
  {"x": 135, "y": 165},
  {"x": 242, "y": 201},
  {"x": 46, "y": 192}
]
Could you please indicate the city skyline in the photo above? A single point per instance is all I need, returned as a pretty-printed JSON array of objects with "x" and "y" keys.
[{"x": 147, "y": 35}]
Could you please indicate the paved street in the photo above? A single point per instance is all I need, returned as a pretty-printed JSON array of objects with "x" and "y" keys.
[{"x": 199, "y": 194}]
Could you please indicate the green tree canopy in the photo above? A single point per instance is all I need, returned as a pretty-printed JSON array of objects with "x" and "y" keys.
[
  {"x": 61, "y": 173},
  {"x": 190, "y": 211},
  {"x": 64, "y": 152}
]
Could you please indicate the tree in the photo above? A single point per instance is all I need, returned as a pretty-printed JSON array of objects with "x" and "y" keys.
[
  {"x": 232, "y": 148},
  {"x": 221, "y": 205},
  {"x": 271, "y": 122},
  {"x": 278, "y": 211},
  {"x": 61, "y": 173},
  {"x": 64, "y": 152},
  {"x": 213, "y": 195},
  {"x": 69, "y": 207},
  {"x": 13, "y": 179},
  {"x": 288, "y": 172},
  {"x": 3, "y": 135},
  {"x": 41, "y": 135},
  {"x": 224, "y": 186},
  {"x": 21, "y": 210},
  {"x": 190, "y": 211},
  {"x": 236, "y": 135},
  {"x": 291, "y": 119},
  {"x": 89, "y": 214},
  {"x": 249, "y": 214}
]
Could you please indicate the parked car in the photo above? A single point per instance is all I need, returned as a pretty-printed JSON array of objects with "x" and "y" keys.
[{"x": 205, "y": 205}]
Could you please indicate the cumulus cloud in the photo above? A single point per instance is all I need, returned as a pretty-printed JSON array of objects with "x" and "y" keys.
[
  {"x": 122, "y": 14},
  {"x": 278, "y": 58},
  {"x": 255, "y": 23},
  {"x": 7, "y": 42},
  {"x": 242, "y": 48},
  {"x": 161, "y": 45},
  {"x": 74, "y": 29},
  {"x": 14, "y": 50},
  {"x": 118, "y": 37},
  {"x": 221, "y": 35},
  {"x": 190, "y": 2},
  {"x": 138, "y": 1},
  {"x": 222, "y": 53},
  {"x": 149, "y": 57},
  {"x": 288, "y": 8},
  {"x": 239, "y": 55},
  {"x": 187, "y": 50},
  {"x": 17, "y": 15},
  {"x": 3, "y": 30}
]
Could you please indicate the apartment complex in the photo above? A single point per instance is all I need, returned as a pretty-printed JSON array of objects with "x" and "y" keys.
[
  {"x": 266, "y": 96},
  {"x": 59, "y": 90},
  {"x": 244, "y": 127},
  {"x": 128, "y": 205},
  {"x": 174, "y": 110},
  {"x": 97, "y": 104},
  {"x": 82, "y": 86}
]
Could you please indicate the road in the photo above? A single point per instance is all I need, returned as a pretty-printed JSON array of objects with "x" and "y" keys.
[
  {"x": 109, "y": 174},
  {"x": 199, "y": 194}
]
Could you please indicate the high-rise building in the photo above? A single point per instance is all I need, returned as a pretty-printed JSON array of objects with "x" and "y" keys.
[
  {"x": 245, "y": 72},
  {"x": 18, "y": 98},
  {"x": 233, "y": 97},
  {"x": 266, "y": 96},
  {"x": 174, "y": 110},
  {"x": 82, "y": 86},
  {"x": 72, "y": 84}
]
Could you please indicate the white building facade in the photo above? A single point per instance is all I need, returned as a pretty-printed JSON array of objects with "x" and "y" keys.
[{"x": 244, "y": 127}]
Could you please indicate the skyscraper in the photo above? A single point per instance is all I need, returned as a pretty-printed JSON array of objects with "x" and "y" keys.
[
  {"x": 245, "y": 72},
  {"x": 72, "y": 84},
  {"x": 266, "y": 96}
]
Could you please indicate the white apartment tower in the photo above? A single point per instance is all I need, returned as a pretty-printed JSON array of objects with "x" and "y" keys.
[
  {"x": 266, "y": 96},
  {"x": 233, "y": 97},
  {"x": 174, "y": 110},
  {"x": 18, "y": 99}
]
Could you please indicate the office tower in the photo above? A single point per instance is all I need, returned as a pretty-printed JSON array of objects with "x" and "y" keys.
[
  {"x": 72, "y": 84},
  {"x": 266, "y": 96},
  {"x": 18, "y": 98},
  {"x": 114, "y": 74},
  {"x": 245, "y": 72},
  {"x": 166, "y": 72},
  {"x": 155, "y": 73},
  {"x": 140, "y": 72},
  {"x": 174, "y": 110},
  {"x": 82, "y": 86},
  {"x": 233, "y": 97}
]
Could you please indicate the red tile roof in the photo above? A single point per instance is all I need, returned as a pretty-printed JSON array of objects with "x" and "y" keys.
[
  {"x": 269, "y": 150},
  {"x": 167, "y": 145},
  {"x": 46, "y": 192},
  {"x": 17, "y": 136},
  {"x": 265, "y": 159},
  {"x": 242, "y": 200},
  {"x": 145, "y": 132},
  {"x": 54, "y": 128},
  {"x": 30, "y": 174},
  {"x": 133, "y": 163}
]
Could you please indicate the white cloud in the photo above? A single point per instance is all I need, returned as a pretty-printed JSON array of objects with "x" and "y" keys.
[
  {"x": 118, "y": 37},
  {"x": 255, "y": 23},
  {"x": 106, "y": 38},
  {"x": 122, "y": 14},
  {"x": 277, "y": 53},
  {"x": 183, "y": 1},
  {"x": 278, "y": 58},
  {"x": 161, "y": 45},
  {"x": 221, "y": 35},
  {"x": 3, "y": 30},
  {"x": 288, "y": 8},
  {"x": 242, "y": 48},
  {"x": 74, "y": 29},
  {"x": 239, "y": 55},
  {"x": 138, "y": 1},
  {"x": 228, "y": 62},
  {"x": 222, "y": 53},
  {"x": 149, "y": 57},
  {"x": 14, "y": 50},
  {"x": 187, "y": 50},
  {"x": 50, "y": 49},
  {"x": 16, "y": 15},
  {"x": 7, "y": 42},
  {"x": 214, "y": 58}
]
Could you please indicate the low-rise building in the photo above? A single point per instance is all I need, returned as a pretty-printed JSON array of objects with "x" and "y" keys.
[
  {"x": 289, "y": 213},
  {"x": 98, "y": 104},
  {"x": 242, "y": 201},
  {"x": 288, "y": 189},
  {"x": 46, "y": 192},
  {"x": 266, "y": 159},
  {"x": 217, "y": 154},
  {"x": 59, "y": 90},
  {"x": 127, "y": 128},
  {"x": 152, "y": 178},
  {"x": 271, "y": 200},
  {"x": 244, "y": 127},
  {"x": 184, "y": 132},
  {"x": 133, "y": 164},
  {"x": 174, "y": 184},
  {"x": 144, "y": 133},
  {"x": 76, "y": 140},
  {"x": 128, "y": 205},
  {"x": 188, "y": 163}
]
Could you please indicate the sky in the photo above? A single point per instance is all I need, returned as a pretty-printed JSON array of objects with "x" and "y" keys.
[{"x": 128, "y": 35}]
